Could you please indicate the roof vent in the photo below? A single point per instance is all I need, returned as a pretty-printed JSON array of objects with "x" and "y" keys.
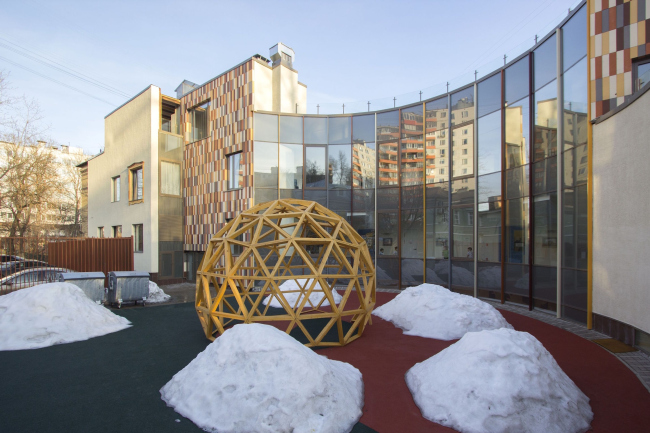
[{"x": 282, "y": 55}]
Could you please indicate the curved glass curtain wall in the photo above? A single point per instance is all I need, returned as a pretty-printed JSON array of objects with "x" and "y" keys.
[{"x": 461, "y": 190}]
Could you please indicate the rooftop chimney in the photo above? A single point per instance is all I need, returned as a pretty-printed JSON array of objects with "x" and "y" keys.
[{"x": 282, "y": 55}]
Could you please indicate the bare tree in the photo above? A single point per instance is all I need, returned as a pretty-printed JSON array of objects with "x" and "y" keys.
[{"x": 72, "y": 218}]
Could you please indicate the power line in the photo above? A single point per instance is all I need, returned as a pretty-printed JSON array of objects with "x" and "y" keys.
[
  {"x": 56, "y": 81},
  {"x": 71, "y": 72}
]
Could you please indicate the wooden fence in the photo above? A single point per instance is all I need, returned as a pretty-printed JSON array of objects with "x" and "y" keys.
[{"x": 92, "y": 254}]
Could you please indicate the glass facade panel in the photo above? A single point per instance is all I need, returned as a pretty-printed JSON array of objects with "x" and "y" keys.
[
  {"x": 265, "y": 161},
  {"x": 438, "y": 272},
  {"x": 437, "y": 221},
  {"x": 517, "y": 81},
  {"x": 545, "y": 175},
  {"x": 412, "y": 146},
  {"x": 574, "y": 231},
  {"x": 489, "y": 232},
  {"x": 363, "y": 128},
  {"x": 291, "y": 193},
  {"x": 517, "y": 132},
  {"x": 545, "y": 230},
  {"x": 545, "y": 287},
  {"x": 574, "y": 295},
  {"x": 340, "y": 166},
  {"x": 462, "y": 276},
  {"x": 517, "y": 230},
  {"x": 387, "y": 268},
  {"x": 489, "y": 280},
  {"x": 489, "y": 95},
  {"x": 516, "y": 283},
  {"x": 575, "y": 166},
  {"x": 573, "y": 40},
  {"x": 462, "y": 106},
  {"x": 387, "y": 199},
  {"x": 412, "y": 223},
  {"x": 290, "y": 166},
  {"x": 489, "y": 188},
  {"x": 266, "y": 127},
  {"x": 319, "y": 196},
  {"x": 545, "y": 61},
  {"x": 489, "y": 143},
  {"x": 462, "y": 151},
  {"x": 364, "y": 164},
  {"x": 315, "y": 130},
  {"x": 262, "y": 195},
  {"x": 199, "y": 121},
  {"x": 363, "y": 216},
  {"x": 517, "y": 182},
  {"x": 387, "y": 144},
  {"x": 436, "y": 124},
  {"x": 340, "y": 130},
  {"x": 340, "y": 200},
  {"x": 315, "y": 167},
  {"x": 463, "y": 233},
  {"x": 575, "y": 106},
  {"x": 545, "y": 130},
  {"x": 462, "y": 191},
  {"x": 291, "y": 129}
]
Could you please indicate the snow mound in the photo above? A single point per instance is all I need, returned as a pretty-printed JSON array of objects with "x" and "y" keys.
[
  {"x": 432, "y": 311},
  {"x": 156, "y": 294},
  {"x": 50, "y": 314},
  {"x": 295, "y": 298},
  {"x": 498, "y": 381},
  {"x": 255, "y": 378}
]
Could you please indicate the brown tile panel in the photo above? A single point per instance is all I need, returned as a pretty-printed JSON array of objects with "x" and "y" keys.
[{"x": 208, "y": 202}]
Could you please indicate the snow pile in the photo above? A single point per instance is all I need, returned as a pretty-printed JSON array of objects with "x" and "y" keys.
[
  {"x": 255, "y": 378},
  {"x": 497, "y": 381},
  {"x": 432, "y": 311},
  {"x": 295, "y": 298},
  {"x": 156, "y": 294},
  {"x": 50, "y": 314}
]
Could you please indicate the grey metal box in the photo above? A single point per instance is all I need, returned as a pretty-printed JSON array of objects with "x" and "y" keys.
[
  {"x": 127, "y": 286},
  {"x": 92, "y": 283}
]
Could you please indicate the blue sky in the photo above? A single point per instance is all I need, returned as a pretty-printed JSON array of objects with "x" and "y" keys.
[{"x": 346, "y": 51}]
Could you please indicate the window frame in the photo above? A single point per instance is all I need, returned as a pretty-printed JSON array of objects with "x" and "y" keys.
[
  {"x": 231, "y": 171},
  {"x": 116, "y": 187},
  {"x": 114, "y": 229},
  {"x": 190, "y": 117},
  {"x": 100, "y": 232},
  {"x": 133, "y": 168},
  {"x": 138, "y": 242},
  {"x": 169, "y": 161}
]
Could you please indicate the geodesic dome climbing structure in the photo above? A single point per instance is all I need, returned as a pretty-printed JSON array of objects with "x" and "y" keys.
[{"x": 293, "y": 254}]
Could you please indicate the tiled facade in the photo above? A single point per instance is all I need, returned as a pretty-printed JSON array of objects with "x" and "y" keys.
[
  {"x": 207, "y": 201},
  {"x": 617, "y": 36}
]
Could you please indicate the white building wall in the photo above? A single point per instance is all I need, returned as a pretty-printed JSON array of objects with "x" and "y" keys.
[
  {"x": 262, "y": 87},
  {"x": 131, "y": 135},
  {"x": 621, "y": 238}
]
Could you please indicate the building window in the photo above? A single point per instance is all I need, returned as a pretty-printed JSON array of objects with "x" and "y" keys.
[
  {"x": 464, "y": 141},
  {"x": 138, "y": 244},
  {"x": 117, "y": 231},
  {"x": 442, "y": 152},
  {"x": 465, "y": 161},
  {"x": 100, "y": 232},
  {"x": 170, "y": 178},
  {"x": 199, "y": 121},
  {"x": 464, "y": 171},
  {"x": 136, "y": 187},
  {"x": 464, "y": 151},
  {"x": 442, "y": 171},
  {"x": 235, "y": 172},
  {"x": 115, "y": 189}
]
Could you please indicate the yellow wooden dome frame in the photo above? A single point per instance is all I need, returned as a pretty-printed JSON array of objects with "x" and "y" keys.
[{"x": 252, "y": 255}]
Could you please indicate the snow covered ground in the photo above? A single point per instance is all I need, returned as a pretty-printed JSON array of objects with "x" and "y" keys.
[
  {"x": 156, "y": 294},
  {"x": 295, "y": 297},
  {"x": 50, "y": 314},
  {"x": 432, "y": 311},
  {"x": 498, "y": 381},
  {"x": 255, "y": 378}
]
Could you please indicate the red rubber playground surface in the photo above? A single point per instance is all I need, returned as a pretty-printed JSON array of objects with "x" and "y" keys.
[{"x": 383, "y": 355}]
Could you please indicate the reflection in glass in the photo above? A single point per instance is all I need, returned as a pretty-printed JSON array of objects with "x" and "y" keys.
[
  {"x": 489, "y": 279},
  {"x": 517, "y": 214},
  {"x": 291, "y": 129},
  {"x": 437, "y": 236},
  {"x": 290, "y": 166},
  {"x": 339, "y": 130},
  {"x": 265, "y": 161},
  {"x": 363, "y": 216},
  {"x": 437, "y": 123},
  {"x": 517, "y": 126},
  {"x": 574, "y": 295},
  {"x": 387, "y": 198},
  {"x": 438, "y": 272},
  {"x": 199, "y": 121},
  {"x": 574, "y": 231},
  {"x": 387, "y": 234},
  {"x": 387, "y": 144},
  {"x": 315, "y": 130},
  {"x": 463, "y": 233},
  {"x": 517, "y": 81},
  {"x": 545, "y": 230},
  {"x": 266, "y": 127},
  {"x": 575, "y": 105},
  {"x": 364, "y": 164},
  {"x": 340, "y": 166},
  {"x": 545, "y": 130},
  {"x": 412, "y": 146},
  {"x": 462, "y": 151},
  {"x": 489, "y": 143},
  {"x": 575, "y": 166},
  {"x": 363, "y": 128},
  {"x": 262, "y": 195},
  {"x": 387, "y": 270},
  {"x": 489, "y": 188},
  {"x": 489, "y": 232},
  {"x": 462, "y": 191},
  {"x": 462, "y": 276},
  {"x": 340, "y": 200},
  {"x": 315, "y": 167},
  {"x": 545, "y": 175},
  {"x": 319, "y": 196},
  {"x": 573, "y": 39},
  {"x": 545, "y": 61},
  {"x": 412, "y": 231},
  {"x": 545, "y": 287},
  {"x": 516, "y": 284},
  {"x": 489, "y": 95},
  {"x": 462, "y": 106}
]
